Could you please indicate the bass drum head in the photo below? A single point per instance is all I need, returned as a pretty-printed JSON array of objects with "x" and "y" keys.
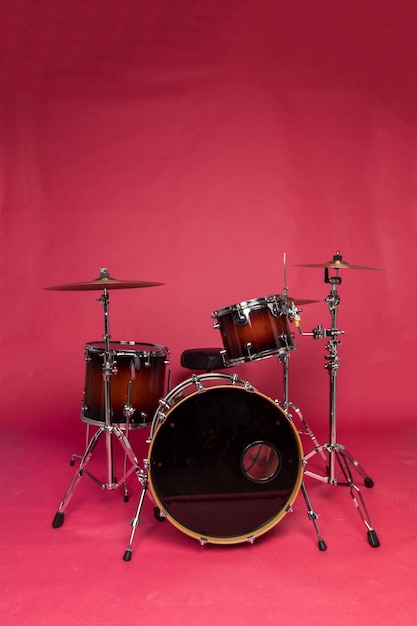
[{"x": 225, "y": 464}]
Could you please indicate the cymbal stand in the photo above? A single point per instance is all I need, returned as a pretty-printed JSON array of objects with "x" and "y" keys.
[
  {"x": 338, "y": 458},
  {"x": 287, "y": 406},
  {"x": 108, "y": 430}
]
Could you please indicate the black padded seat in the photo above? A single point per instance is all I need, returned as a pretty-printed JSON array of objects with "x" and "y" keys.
[{"x": 206, "y": 359}]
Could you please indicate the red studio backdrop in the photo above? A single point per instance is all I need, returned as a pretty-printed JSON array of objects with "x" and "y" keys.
[{"x": 194, "y": 144}]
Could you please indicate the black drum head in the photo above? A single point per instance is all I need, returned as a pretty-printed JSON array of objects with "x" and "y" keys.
[{"x": 225, "y": 464}]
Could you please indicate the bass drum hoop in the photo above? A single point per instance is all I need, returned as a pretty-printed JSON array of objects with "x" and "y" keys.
[{"x": 161, "y": 418}]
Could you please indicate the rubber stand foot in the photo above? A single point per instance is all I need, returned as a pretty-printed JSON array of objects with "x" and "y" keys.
[
  {"x": 157, "y": 514},
  {"x": 127, "y": 555},
  {"x": 58, "y": 520},
  {"x": 369, "y": 482},
  {"x": 322, "y": 545},
  {"x": 126, "y": 499},
  {"x": 373, "y": 539},
  {"x": 72, "y": 463}
]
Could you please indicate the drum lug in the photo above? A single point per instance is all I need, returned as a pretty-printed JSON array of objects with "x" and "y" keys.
[
  {"x": 251, "y": 539},
  {"x": 197, "y": 383},
  {"x": 274, "y": 307},
  {"x": 241, "y": 317},
  {"x": 284, "y": 341},
  {"x": 164, "y": 405},
  {"x": 248, "y": 346},
  {"x": 157, "y": 420},
  {"x": 224, "y": 358},
  {"x": 202, "y": 541},
  {"x": 289, "y": 509}
]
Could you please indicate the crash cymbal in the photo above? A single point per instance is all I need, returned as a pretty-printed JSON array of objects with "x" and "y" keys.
[
  {"x": 103, "y": 282},
  {"x": 337, "y": 263}
]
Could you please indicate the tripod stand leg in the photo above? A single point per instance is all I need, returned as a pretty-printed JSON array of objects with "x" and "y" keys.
[
  {"x": 125, "y": 489},
  {"x": 368, "y": 482},
  {"x": 87, "y": 439},
  {"x": 59, "y": 516},
  {"x": 143, "y": 479},
  {"x": 129, "y": 455},
  {"x": 313, "y": 516},
  {"x": 345, "y": 462},
  {"x": 126, "y": 455}
]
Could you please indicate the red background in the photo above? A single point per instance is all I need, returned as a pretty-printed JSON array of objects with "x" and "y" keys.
[{"x": 193, "y": 143}]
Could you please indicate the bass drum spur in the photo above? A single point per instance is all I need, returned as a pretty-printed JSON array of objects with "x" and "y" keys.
[{"x": 224, "y": 462}]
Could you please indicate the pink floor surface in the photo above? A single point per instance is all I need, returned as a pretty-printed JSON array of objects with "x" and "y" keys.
[{"x": 76, "y": 574}]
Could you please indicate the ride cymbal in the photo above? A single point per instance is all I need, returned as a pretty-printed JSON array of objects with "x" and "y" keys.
[
  {"x": 104, "y": 281},
  {"x": 337, "y": 263}
]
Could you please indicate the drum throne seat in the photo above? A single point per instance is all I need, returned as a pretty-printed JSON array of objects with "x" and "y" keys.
[{"x": 204, "y": 359}]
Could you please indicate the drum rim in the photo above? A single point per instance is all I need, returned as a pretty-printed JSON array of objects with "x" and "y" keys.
[
  {"x": 258, "y": 356},
  {"x": 122, "y": 425},
  {"x": 159, "y": 349},
  {"x": 163, "y": 402},
  {"x": 264, "y": 528},
  {"x": 248, "y": 304}
]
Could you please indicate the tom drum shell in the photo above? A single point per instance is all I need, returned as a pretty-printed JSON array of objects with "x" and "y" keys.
[{"x": 137, "y": 382}]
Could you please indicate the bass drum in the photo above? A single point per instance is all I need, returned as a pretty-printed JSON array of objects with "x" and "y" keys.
[{"x": 225, "y": 462}]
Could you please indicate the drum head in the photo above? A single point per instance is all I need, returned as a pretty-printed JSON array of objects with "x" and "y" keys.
[{"x": 225, "y": 464}]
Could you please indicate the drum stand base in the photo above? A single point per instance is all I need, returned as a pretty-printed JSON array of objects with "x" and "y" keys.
[
  {"x": 337, "y": 454},
  {"x": 108, "y": 432},
  {"x": 125, "y": 462}
]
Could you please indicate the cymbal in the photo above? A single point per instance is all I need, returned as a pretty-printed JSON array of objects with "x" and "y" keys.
[
  {"x": 337, "y": 263},
  {"x": 103, "y": 282},
  {"x": 300, "y": 301}
]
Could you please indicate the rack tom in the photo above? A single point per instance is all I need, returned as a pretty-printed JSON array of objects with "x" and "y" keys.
[{"x": 255, "y": 329}]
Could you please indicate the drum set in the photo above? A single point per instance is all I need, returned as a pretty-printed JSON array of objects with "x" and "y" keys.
[{"x": 225, "y": 463}]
